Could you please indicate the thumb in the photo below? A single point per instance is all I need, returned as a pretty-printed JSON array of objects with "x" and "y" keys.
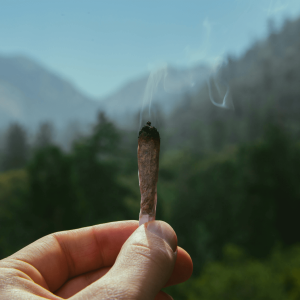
[{"x": 143, "y": 266}]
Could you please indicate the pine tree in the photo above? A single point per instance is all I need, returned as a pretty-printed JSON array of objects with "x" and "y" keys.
[
  {"x": 45, "y": 134},
  {"x": 16, "y": 148}
]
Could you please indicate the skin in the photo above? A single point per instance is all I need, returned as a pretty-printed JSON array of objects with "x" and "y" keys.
[{"x": 116, "y": 260}]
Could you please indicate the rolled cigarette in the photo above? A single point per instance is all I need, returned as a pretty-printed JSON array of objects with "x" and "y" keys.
[{"x": 148, "y": 164}]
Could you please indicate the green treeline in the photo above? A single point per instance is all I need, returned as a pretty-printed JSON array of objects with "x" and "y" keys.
[
  {"x": 59, "y": 191},
  {"x": 235, "y": 211},
  {"x": 228, "y": 180}
]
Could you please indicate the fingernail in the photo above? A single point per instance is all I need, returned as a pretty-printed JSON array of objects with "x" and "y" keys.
[{"x": 164, "y": 231}]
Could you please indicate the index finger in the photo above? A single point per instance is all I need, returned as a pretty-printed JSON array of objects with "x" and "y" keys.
[
  {"x": 52, "y": 260},
  {"x": 55, "y": 258}
]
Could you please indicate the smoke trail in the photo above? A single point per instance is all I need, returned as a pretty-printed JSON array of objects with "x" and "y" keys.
[
  {"x": 172, "y": 82},
  {"x": 201, "y": 53},
  {"x": 215, "y": 78},
  {"x": 174, "y": 85},
  {"x": 226, "y": 102},
  {"x": 154, "y": 79},
  {"x": 275, "y": 7}
]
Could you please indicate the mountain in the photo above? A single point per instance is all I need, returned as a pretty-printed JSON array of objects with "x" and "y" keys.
[{"x": 30, "y": 94}]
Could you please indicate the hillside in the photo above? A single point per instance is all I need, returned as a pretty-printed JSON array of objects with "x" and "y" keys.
[
  {"x": 29, "y": 94},
  {"x": 264, "y": 87}
]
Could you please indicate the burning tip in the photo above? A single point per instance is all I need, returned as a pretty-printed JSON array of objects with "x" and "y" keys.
[{"x": 149, "y": 131}]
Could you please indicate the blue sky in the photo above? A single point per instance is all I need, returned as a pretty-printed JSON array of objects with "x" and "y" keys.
[{"x": 99, "y": 45}]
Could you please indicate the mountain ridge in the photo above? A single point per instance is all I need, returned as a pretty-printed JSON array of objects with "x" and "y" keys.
[{"x": 31, "y": 94}]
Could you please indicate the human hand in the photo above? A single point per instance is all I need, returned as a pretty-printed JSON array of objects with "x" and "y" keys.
[{"x": 136, "y": 261}]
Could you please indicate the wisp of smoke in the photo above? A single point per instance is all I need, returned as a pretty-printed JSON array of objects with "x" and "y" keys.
[
  {"x": 276, "y": 6},
  {"x": 151, "y": 87},
  {"x": 172, "y": 82},
  {"x": 226, "y": 101}
]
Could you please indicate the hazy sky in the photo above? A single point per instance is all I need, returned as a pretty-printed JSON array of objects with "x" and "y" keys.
[{"x": 99, "y": 45}]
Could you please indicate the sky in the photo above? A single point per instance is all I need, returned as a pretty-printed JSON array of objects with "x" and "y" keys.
[{"x": 99, "y": 45}]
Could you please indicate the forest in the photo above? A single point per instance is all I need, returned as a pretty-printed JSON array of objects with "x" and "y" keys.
[{"x": 228, "y": 179}]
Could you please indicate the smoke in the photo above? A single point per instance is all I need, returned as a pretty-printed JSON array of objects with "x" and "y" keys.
[
  {"x": 201, "y": 53},
  {"x": 173, "y": 82},
  {"x": 154, "y": 79},
  {"x": 221, "y": 86},
  {"x": 167, "y": 80},
  {"x": 276, "y": 7}
]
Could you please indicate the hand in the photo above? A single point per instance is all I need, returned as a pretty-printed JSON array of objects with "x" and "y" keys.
[{"x": 109, "y": 261}]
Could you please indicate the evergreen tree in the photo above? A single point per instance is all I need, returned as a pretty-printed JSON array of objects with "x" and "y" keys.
[
  {"x": 45, "y": 135},
  {"x": 95, "y": 169},
  {"x": 16, "y": 148}
]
